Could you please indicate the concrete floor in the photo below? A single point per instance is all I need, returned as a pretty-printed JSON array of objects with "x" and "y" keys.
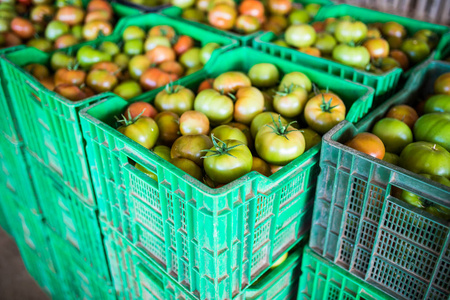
[{"x": 15, "y": 282}]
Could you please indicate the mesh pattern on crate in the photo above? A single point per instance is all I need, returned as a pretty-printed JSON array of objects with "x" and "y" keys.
[
  {"x": 443, "y": 276},
  {"x": 367, "y": 235},
  {"x": 264, "y": 207},
  {"x": 350, "y": 227},
  {"x": 276, "y": 288},
  {"x": 150, "y": 219},
  {"x": 142, "y": 190},
  {"x": 345, "y": 253},
  {"x": 405, "y": 223},
  {"x": 283, "y": 237},
  {"x": 261, "y": 235},
  {"x": 259, "y": 259},
  {"x": 362, "y": 259},
  {"x": 294, "y": 187},
  {"x": 174, "y": 266},
  {"x": 153, "y": 245},
  {"x": 397, "y": 280},
  {"x": 333, "y": 292},
  {"x": 357, "y": 192}
]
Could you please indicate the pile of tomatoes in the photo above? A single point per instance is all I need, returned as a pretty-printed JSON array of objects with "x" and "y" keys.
[
  {"x": 149, "y": 3},
  {"x": 420, "y": 145},
  {"x": 47, "y": 26},
  {"x": 142, "y": 61},
  {"x": 377, "y": 47},
  {"x": 248, "y": 16},
  {"x": 234, "y": 124}
]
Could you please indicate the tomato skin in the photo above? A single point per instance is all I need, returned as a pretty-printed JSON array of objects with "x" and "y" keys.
[
  {"x": 416, "y": 50},
  {"x": 280, "y": 7},
  {"x": 154, "y": 78},
  {"x": 71, "y": 92},
  {"x": 189, "y": 167},
  {"x": 224, "y": 168},
  {"x": 22, "y": 28},
  {"x": 394, "y": 134},
  {"x": 367, "y": 143},
  {"x": 347, "y": 31},
  {"x": 428, "y": 36},
  {"x": 262, "y": 119},
  {"x": 140, "y": 107},
  {"x": 206, "y": 52},
  {"x": 246, "y": 131},
  {"x": 263, "y": 75},
  {"x": 252, "y": 8},
  {"x": 404, "y": 113},
  {"x": 312, "y": 138},
  {"x": 206, "y": 84},
  {"x": 160, "y": 54},
  {"x": 324, "y": 111},
  {"x": 424, "y": 157},
  {"x": 144, "y": 131},
  {"x": 71, "y": 15},
  {"x": 378, "y": 48},
  {"x": 133, "y": 33},
  {"x": 302, "y": 35},
  {"x": 442, "y": 84},
  {"x": 227, "y": 132},
  {"x": 279, "y": 149},
  {"x": 295, "y": 79},
  {"x": 401, "y": 57},
  {"x": 437, "y": 103},
  {"x": 138, "y": 65},
  {"x": 152, "y": 41},
  {"x": 101, "y": 81},
  {"x": 162, "y": 30},
  {"x": 434, "y": 128},
  {"x": 222, "y": 16},
  {"x": 393, "y": 29},
  {"x": 218, "y": 108},
  {"x": 183, "y": 44},
  {"x": 357, "y": 57},
  {"x": 38, "y": 71},
  {"x": 230, "y": 82},
  {"x": 247, "y": 24},
  {"x": 76, "y": 77},
  {"x": 249, "y": 103},
  {"x": 177, "y": 99},
  {"x": 194, "y": 122},
  {"x": 169, "y": 127},
  {"x": 92, "y": 29},
  {"x": 325, "y": 42},
  {"x": 261, "y": 167},
  {"x": 172, "y": 67},
  {"x": 65, "y": 41},
  {"x": 191, "y": 58},
  {"x": 291, "y": 103},
  {"x": 87, "y": 56},
  {"x": 391, "y": 158},
  {"x": 190, "y": 147}
]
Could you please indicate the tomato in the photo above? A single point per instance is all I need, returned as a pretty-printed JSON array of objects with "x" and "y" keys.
[
  {"x": 22, "y": 28},
  {"x": 280, "y": 7},
  {"x": 262, "y": 119},
  {"x": 252, "y": 8},
  {"x": 401, "y": 57},
  {"x": 76, "y": 77},
  {"x": 138, "y": 65},
  {"x": 172, "y": 67},
  {"x": 434, "y": 128},
  {"x": 183, "y": 3},
  {"x": 97, "y": 15},
  {"x": 295, "y": 79},
  {"x": 190, "y": 147},
  {"x": 42, "y": 12},
  {"x": 189, "y": 167},
  {"x": 194, "y": 14},
  {"x": 373, "y": 33},
  {"x": 263, "y": 75},
  {"x": 394, "y": 134},
  {"x": 394, "y": 42},
  {"x": 194, "y": 122},
  {"x": 222, "y": 16},
  {"x": 206, "y": 52},
  {"x": 133, "y": 33},
  {"x": 318, "y": 26},
  {"x": 72, "y": 92},
  {"x": 92, "y": 29},
  {"x": 77, "y": 31},
  {"x": 299, "y": 16},
  {"x": 325, "y": 42},
  {"x": 133, "y": 47},
  {"x": 227, "y": 132},
  {"x": 153, "y": 41},
  {"x": 438, "y": 103},
  {"x": 41, "y": 44},
  {"x": 247, "y": 24},
  {"x": 310, "y": 51},
  {"x": 217, "y": 107},
  {"x": 312, "y": 138},
  {"x": 261, "y": 167},
  {"x": 38, "y": 71},
  {"x": 357, "y": 57},
  {"x": 230, "y": 82},
  {"x": 404, "y": 113},
  {"x": 202, "y": 5},
  {"x": 154, "y": 78},
  {"x": 175, "y": 98},
  {"x": 61, "y": 60},
  {"x": 48, "y": 83},
  {"x": 191, "y": 58},
  {"x": 227, "y": 160},
  {"x": 71, "y": 15},
  {"x": 162, "y": 30},
  {"x": 160, "y": 54},
  {"x": 65, "y": 41},
  {"x": 101, "y": 81},
  {"x": 424, "y": 157},
  {"x": 312, "y": 9},
  {"x": 324, "y": 111},
  {"x": 140, "y": 108},
  {"x": 416, "y": 50},
  {"x": 442, "y": 84},
  {"x": 249, "y": 103},
  {"x": 274, "y": 168},
  {"x": 128, "y": 89},
  {"x": 279, "y": 144},
  {"x": 428, "y": 36},
  {"x": 391, "y": 158},
  {"x": 192, "y": 70},
  {"x": 94, "y": 5},
  {"x": 347, "y": 31},
  {"x": 393, "y": 29},
  {"x": 377, "y": 47},
  {"x": 183, "y": 44},
  {"x": 108, "y": 66},
  {"x": 169, "y": 126},
  {"x": 302, "y": 35},
  {"x": 367, "y": 143},
  {"x": 87, "y": 56},
  {"x": 205, "y": 85},
  {"x": 290, "y": 102},
  {"x": 142, "y": 130}
]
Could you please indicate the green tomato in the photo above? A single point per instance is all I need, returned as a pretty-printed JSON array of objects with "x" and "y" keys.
[
  {"x": 133, "y": 47},
  {"x": 77, "y": 31},
  {"x": 191, "y": 147},
  {"x": 428, "y": 36},
  {"x": 55, "y": 29},
  {"x": 391, "y": 158},
  {"x": 434, "y": 128},
  {"x": 325, "y": 43},
  {"x": 153, "y": 41},
  {"x": 295, "y": 79},
  {"x": 299, "y": 16},
  {"x": 264, "y": 75},
  {"x": 191, "y": 58},
  {"x": 357, "y": 57},
  {"x": 161, "y": 151},
  {"x": 193, "y": 14},
  {"x": 193, "y": 70},
  {"x": 312, "y": 9},
  {"x": 262, "y": 119},
  {"x": 227, "y": 132},
  {"x": 416, "y": 50},
  {"x": 87, "y": 56},
  {"x": 281, "y": 43},
  {"x": 60, "y": 60},
  {"x": 133, "y": 33},
  {"x": 121, "y": 60},
  {"x": 302, "y": 35},
  {"x": 189, "y": 167},
  {"x": 177, "y": 99},
  {"x": 291, "y": 102},
  {"x": 110, "y": 48},
  {"x": 437, "y": 103},
  {"x": 424, "y": 157},
  {"x": 144, "y": 131},
  {"x": 347, "y": 32},
  {"x": 227, "y": 160},
  {"x": 41, "y": 44},
  {"x": 183, "y": 3},
  {"x": 206, "y": 52},
  {"x": 394, "y": 134},
  {"x": 128, "y": 89},
  {"x": 312, "y": 138},
  {"x": 217, "y": 107}
]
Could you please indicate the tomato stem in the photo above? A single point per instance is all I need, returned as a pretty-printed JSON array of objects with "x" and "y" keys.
[
  {"x": 279, "y": 128},
  {"x": 326, "y": 106},
  {"x": 220, "y": 149},
  {"x": 128, "y": 121}
]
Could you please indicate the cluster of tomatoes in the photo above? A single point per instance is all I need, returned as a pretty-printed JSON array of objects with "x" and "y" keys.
[
  {"x": 377, "y": 47},
  {"x": 149, "y": 3},
  {"x": 420, "y": 145},
  {"x": 246, "y": 17},
  {"x": 140, "y": 62},
  {"x": 235, "y": 123},
  {"x": 47, "y": 26}
]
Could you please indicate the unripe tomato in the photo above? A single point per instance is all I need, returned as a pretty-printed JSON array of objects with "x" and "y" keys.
[
  {"x": 230, "y": 82},
  {"x": 55, "y": 29},
  {"x": 144, "y": 131},
  {"x": 128, "y": 89},
  {"x": 222, "y": 16},
  {"x": 191, "y": 147},
  {"x": 154, "y": 78},
  {"x": 417, "y": 50},
  {"x": 138, "y": 65},
  {"x": 217, "y": 107},
  {"x": 442, "y": 84},
  {"x": 249, "y": 103},
  {"x": 177, "y": 99},
  {"x": 133, "y": 33},
  {"x": 302, "y": 35},
  {"x": 404, "y": 113},
  {"x": 347, "y": 31},
  {"x": 367, "y": 143},
  {"x": 264, "y": 75},
  {"x": 393, "y": 29},
  {"x": 101, "y": 81},
  {"x": 169, "y": 125},
  {"x": 194, "y": 122},
  {"x": 92, "y": 29},
  {"x": 394, "y": 134},
  {"x": 324, "y": 111}
]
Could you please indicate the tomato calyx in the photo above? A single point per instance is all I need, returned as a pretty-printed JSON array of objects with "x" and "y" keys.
[
  {"x": 124, "y": 121},
  {"x": 220, "y": 149},
  {"x": 280, "y": 129},
  {"x": 171, "y": 89},
  {"x": 287, "y": 90},
  {"x": 326, "y": 106}
]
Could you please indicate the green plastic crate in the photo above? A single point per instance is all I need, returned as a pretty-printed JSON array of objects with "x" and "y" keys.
[
  {"x": 244, "y": 39},
  {"x": 217, "y": 244},
  {"x": 384, "y": 84},
  {"x": 16, "y": 177},
  {"x": 136, "y": 277},
  {"x": 50, "y": 123},
  {"x": 443, "y": 52},
  {"x": 141, "y": 7},
  {"x": 321, "y": 280},
  {"x": 67, "y": 215},
  {"x": 77, "y": 276},
  {"x": 8, "y": 209},
  {"x": 361, "y": 225}
]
